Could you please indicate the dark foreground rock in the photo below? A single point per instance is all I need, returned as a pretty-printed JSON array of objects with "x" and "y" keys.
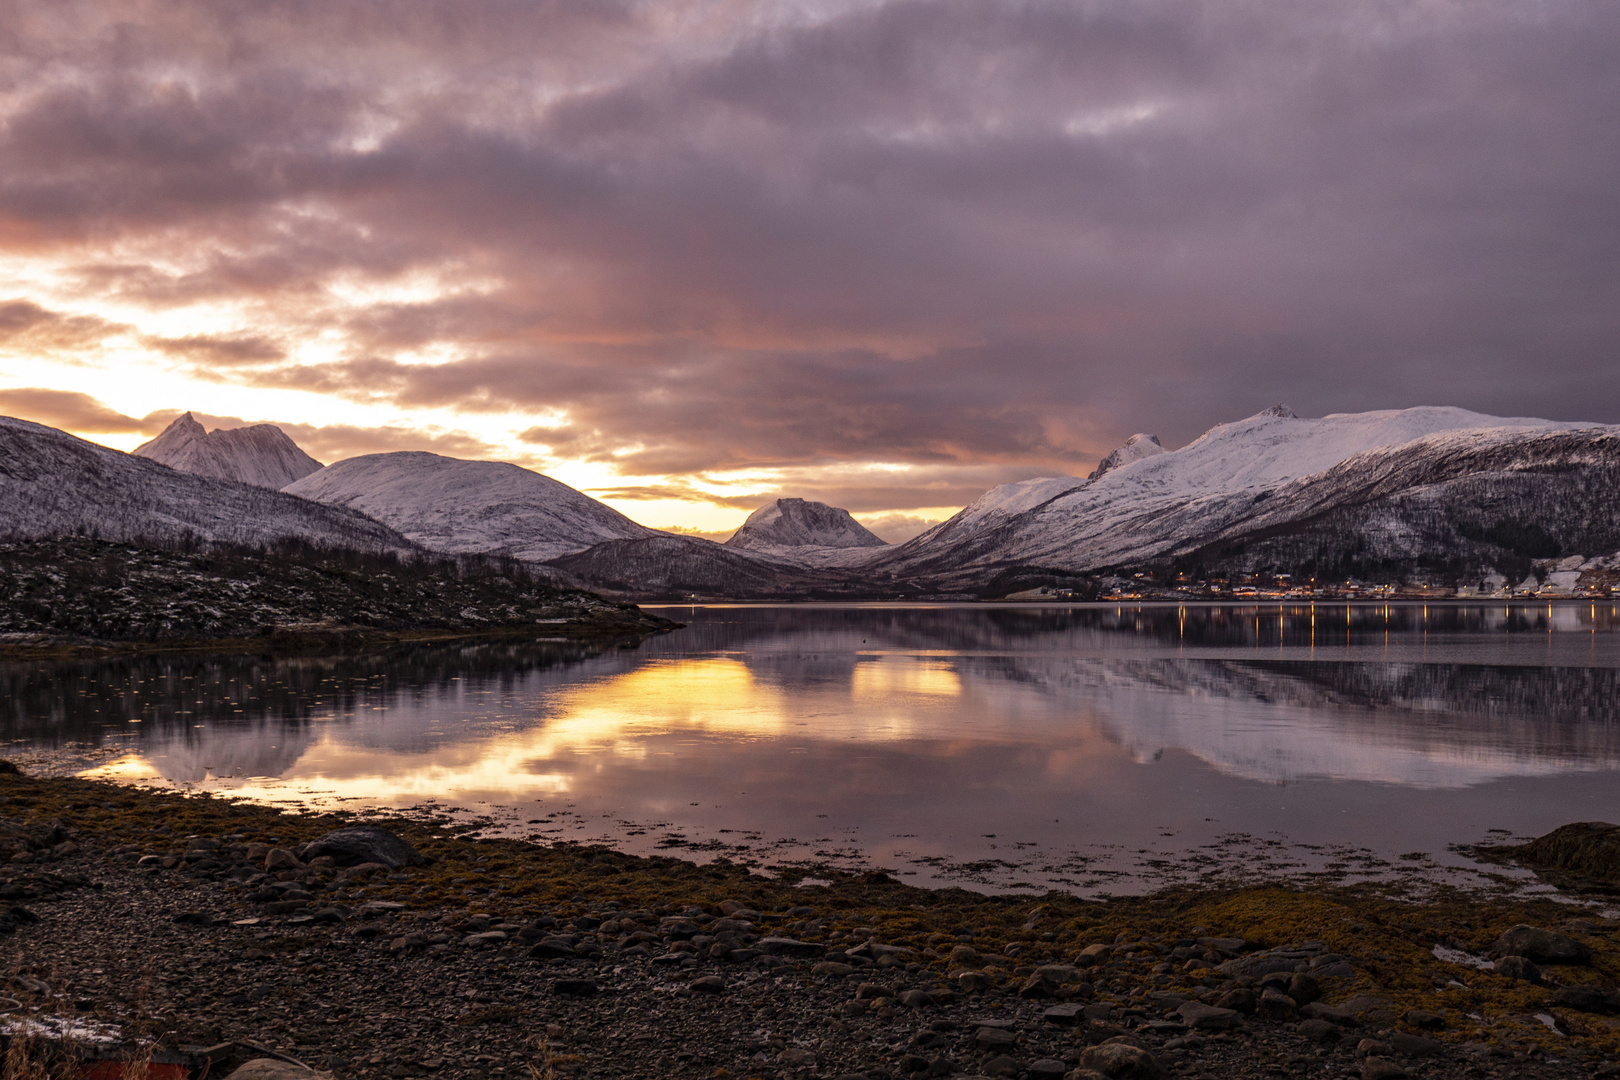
[
  {"x": 194, "y": 926},
  {"x": 1581, "y": 855}
]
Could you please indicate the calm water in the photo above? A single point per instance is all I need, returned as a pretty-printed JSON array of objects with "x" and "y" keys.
[{"x": 1088, "y": 748}]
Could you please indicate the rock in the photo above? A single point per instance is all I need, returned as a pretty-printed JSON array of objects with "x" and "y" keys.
[
  {"x": 1059, "y": 973},
  {"x": 1542, "y": 946},
  {"x": 1241, "y": 1000},
  {"x": 280, "y": 859},
  {"x": 1303, "y": 988},
  {"x": 1381, "y": 1068},
  {"x": 794, "y": 1058},
  {"x": 1588, "y": 851},
  {"x": 1319, "y": 1031},
  {"x": 1415, "y": 1045},
  {"x": 1275, "y": 1005},
  {"x": 575, "y": 987},
  {"x": 1208, "y": 1017},
  {"x": 1370, "y": 1007},
  {"x": 1121, "y": 1061},
  {"x": 994, "y": 1038},
  {"x": 970, "y": 982},
  {"x": 1066, "y": 1015},
  {"x": 1037, "y": 986},
  {"x": 488, "y": 937},
  {"x": 360, "y": 844},
  {"x": 826, "y": 969},
  {"x": 1584, "y": 998},
  {"x": 1333, "y": 1014},
  {"x": 272, "y": 1069},
  {"x": 783, "y": 946},
  {"x": 1374, "y": 1048},
  {"x": 964, "y": 956},
  {"x": 1092, "y": 955},
  {"x": 1001, "y": 1065},
  {"x": 194, "y": 918},
  {"x": 1517, "y": 967},
  {"x": 915, "y": 999},
  {"x": 1047, "y": 1069},
  {"x": 708, "y": 984},
  {"x": 1424, "y": 1019}
]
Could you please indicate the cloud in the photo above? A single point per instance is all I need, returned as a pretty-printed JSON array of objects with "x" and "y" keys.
[
  {"x": 977, "y": 240},
  {"x": 220, "y": 350},
  {"x": 28, "y": 328},
  {"x": 66, "y": 409},
  {"x": 898, "y": 528}
]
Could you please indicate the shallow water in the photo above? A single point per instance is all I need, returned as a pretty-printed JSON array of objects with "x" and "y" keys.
[{"x": 1089, "y": 748}]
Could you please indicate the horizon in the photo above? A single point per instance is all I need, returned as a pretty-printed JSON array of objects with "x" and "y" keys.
[{"x": 688, "y": 258}]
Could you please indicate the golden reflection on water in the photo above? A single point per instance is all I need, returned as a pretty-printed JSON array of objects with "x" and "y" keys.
[{"x": 586, "y": 728}]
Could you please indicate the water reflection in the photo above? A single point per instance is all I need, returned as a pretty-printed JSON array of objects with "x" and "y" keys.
[{"x": 921, "y": 737}]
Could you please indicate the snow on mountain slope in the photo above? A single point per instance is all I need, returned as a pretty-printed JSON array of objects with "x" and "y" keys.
[
  {"x": 1136, "y": 448},
  {"x": 262, "y": 455},
  {"x": 54, "y": 484},
  {"x": 807, "y": 534},
  {"x": 466, "y": 507},
  {"x": 800, "y": 523},
  {"x": 1162, "y": 503}
]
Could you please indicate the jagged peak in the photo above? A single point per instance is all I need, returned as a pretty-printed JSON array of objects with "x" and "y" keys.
[
  {"x": 1279, "y": 411},
  {"x": 1138, "y": 446},
  {"x": 261, "y": 454}
]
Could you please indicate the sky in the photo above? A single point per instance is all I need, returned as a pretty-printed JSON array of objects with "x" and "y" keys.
[{"x": 692, "y": 255}]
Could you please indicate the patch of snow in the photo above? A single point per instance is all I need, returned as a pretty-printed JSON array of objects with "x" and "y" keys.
[{"x": 1464, "y": 959}]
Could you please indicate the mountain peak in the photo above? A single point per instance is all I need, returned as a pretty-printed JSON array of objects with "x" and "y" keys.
[
  {"x": 262, "y": 455},
  {"x": 802, "y": 523},
  {"x": 1138, "y": 446},
  {"x": 1279, "y": 410}
]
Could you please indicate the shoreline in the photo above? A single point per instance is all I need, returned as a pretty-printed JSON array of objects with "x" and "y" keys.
[
  {"x": 880, "y": 977},
  {"x": 320, "y": 641}
]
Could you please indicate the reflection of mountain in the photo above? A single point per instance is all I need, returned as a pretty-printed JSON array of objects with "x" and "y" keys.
[
  {"x": 1414, "y": 724},
  {"x": 1212, "y": 681},
  {"x": 262, "y": 749},
  {"x": 145, "y": 696}
]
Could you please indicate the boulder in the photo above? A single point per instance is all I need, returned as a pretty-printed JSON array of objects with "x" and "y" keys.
[
  {"x": 365, "y": 844},
  {"x": 1542, "y": 946},
  {"x": 1121, "y": 1061}
]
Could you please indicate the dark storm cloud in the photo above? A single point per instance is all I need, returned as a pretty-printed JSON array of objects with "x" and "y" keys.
[{"x": 986, "y": 236}]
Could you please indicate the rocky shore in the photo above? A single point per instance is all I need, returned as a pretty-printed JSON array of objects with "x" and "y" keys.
[
  {"x": 79, "y": 596},
  {"x": 207, "y": 932}
]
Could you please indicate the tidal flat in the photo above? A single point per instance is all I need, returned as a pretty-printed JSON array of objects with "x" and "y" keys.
[{"x": 189, "y": 921}]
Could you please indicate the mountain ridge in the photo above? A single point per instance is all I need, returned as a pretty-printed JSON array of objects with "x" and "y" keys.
[{"x": 261, "y": 454}]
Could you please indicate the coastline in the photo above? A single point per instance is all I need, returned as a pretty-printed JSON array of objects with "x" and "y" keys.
[{"x": 428, "y": 970}]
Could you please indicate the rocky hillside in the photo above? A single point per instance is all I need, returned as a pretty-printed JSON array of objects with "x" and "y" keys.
[
  {"x": 53, "y": 485},
  {"x": 90, "y": 590},
  {"x": 261, "y": 455},
  {"x": 1369, "y": 493}
]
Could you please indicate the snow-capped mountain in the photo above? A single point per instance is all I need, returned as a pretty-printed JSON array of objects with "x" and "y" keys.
[
  {"x": 1403, "y": 484},
  {"x": 261, "y": 455},
  {"x": 807, "y": 534},
  {"x": 1136, "y": 448},
  {"x": 54, "y": 484},
  {"x": 469, "y": 507}
]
